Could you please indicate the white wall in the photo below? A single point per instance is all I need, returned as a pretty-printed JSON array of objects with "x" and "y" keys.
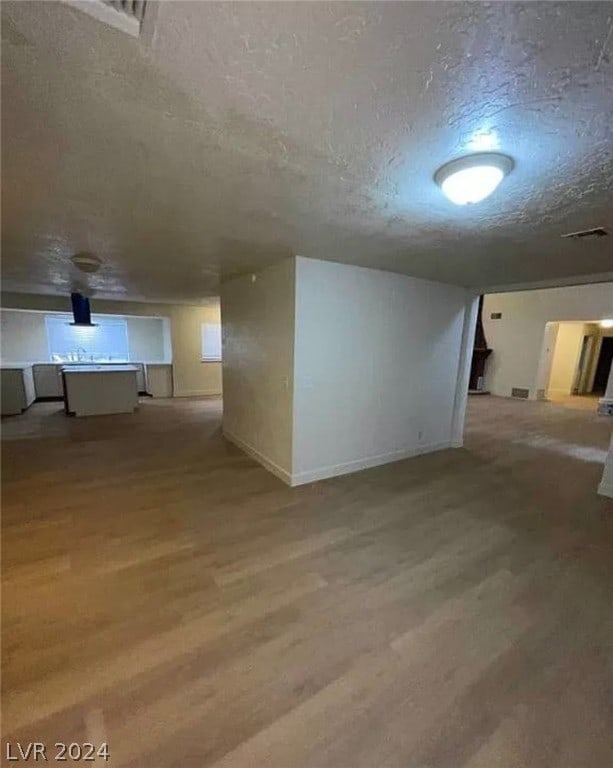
[
  {"x": 329, "y": 368},
  {"x": 190, "y": 375},
  {"x": 376, "y": 367},
  {"x": 517, "y": 338},
  {"x": 23, "y": 337},
  {"x": 258, "y": 351},
  {"x": 606, "y": 484}
]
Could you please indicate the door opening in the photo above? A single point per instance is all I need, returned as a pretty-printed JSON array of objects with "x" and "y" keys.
[{"x": 603, "y": 366}]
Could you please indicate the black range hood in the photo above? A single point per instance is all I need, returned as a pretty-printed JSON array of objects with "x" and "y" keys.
[{"x": 80, "y": 310}]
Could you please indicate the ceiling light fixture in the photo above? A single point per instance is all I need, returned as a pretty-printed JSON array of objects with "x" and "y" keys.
[
  {"x": 606, "y": 323},
  {"x": 472, "y": 178},
  {"x": 86, "y": 262}
]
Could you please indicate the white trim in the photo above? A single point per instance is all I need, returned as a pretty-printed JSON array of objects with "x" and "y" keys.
[
  {"x": 196, "y": 392},
  {"x": 322, "y": 473},
  {"x": 605, "y": 489},
  {"x": 269, "y": 464}
]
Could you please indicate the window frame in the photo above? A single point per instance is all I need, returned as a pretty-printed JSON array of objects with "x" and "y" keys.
[{"x": 211, "y": 358}]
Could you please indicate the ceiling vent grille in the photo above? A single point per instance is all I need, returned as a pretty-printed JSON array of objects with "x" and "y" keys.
[
  {"x": 586, "y": 233},
  {"x": 125, "y": 15},
  {"x": 134, "y": 8}
]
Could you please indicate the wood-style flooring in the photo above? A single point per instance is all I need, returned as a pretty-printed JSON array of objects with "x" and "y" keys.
[{"x": 165, "y": 594}]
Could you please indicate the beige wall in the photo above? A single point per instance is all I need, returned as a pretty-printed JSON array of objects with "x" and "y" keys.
[
  {"x": 146, "y": 339},
  {"x": 190, "y": 375},
  {"x": 517, "y": 339},
  {"x": 565, "y": 358},
  {"x": 258, "y": 349}
]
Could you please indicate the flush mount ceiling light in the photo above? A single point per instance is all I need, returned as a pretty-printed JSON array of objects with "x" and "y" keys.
[
  {"x": 472, "y": 178},
  {"x": 86, "y": 262},
  {"x": 606, "y": 323}
]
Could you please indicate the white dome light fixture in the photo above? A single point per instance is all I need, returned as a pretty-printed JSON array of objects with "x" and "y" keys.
[
  {"x": 606, "y": 323},
  {"x": 472, "y": 178},
  {"x": 86, "y": 262}
]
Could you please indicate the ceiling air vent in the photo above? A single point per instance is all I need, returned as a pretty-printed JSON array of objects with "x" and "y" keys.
[
  {"x": 134, "y": 8},
  {"x": 126, "y": 15},
  {"x": 587, "y": 233}
]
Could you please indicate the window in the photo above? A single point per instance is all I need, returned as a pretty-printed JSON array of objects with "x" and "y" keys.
[
  {"x": 211, "y": 342},
  {"x": 104, "y": 342}
]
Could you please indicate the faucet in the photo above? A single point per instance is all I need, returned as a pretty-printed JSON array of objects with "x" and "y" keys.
[{"x": 84, "y": 351}]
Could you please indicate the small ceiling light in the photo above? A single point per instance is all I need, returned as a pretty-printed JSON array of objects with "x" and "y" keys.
[
  {"x": 472, "y": 178},
  {"x": 86, "y": 262},
  {"x": 606, "y": 323}
]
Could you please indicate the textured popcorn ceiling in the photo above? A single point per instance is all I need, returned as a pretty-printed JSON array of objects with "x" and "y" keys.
[{"x": 234, "y": 134}]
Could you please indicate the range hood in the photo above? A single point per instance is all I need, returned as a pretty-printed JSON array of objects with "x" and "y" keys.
[{"x": 80, "y": 311}]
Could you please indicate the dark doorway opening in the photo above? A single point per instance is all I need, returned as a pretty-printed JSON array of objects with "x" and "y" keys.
[{"x": 603, "y": 366}]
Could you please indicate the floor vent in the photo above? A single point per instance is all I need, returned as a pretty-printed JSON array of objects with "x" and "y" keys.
[
  {"x": 586, "y": 233},
  {"x": 126, "y": 15},
  {"x": 520, "y": 392}
]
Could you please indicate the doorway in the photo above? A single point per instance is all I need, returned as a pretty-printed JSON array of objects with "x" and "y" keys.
[
  {"x": 568, "y": 363},
  {"x": 603, "y": 366}
]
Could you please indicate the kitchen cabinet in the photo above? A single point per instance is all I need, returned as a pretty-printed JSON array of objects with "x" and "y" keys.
[
  {"x": 159, "y": 380},
  {"x": 17, "y": 389}
]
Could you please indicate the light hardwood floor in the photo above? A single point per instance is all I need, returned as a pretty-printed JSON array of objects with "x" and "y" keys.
[{"x": 165, "y": 594}]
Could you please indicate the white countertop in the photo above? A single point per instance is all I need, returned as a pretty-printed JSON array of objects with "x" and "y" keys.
[
  {"x": 15, "y": 366},
  {"x": 96, "y": 368}
]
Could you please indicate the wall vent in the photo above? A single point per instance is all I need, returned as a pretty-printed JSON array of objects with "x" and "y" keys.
[
  {"x": 589, "y": 233},
  {"x": 520, "y": 392},
  {"x": 126, "y": 15}
]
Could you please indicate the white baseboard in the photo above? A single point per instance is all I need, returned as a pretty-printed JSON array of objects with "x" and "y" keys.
[
  {"x": 196, "y": 393},
  {"x": 605, "y": 489},
  {"x": 270, "y": 465},
  {"x": 321, "y": 473}
]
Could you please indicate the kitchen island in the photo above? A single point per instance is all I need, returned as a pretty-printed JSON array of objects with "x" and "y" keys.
[{"x": 94, "y": 390}]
